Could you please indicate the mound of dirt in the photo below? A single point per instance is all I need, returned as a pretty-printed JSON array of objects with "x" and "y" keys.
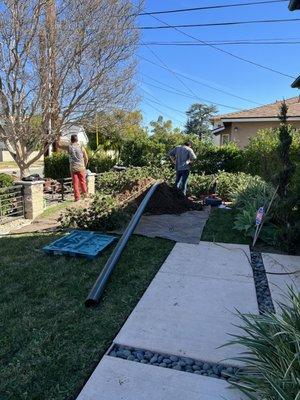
[
  {"x": 134, "y": 188},
  {"x": 168, "y": 200}
]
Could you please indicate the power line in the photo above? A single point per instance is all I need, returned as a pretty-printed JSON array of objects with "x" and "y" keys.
[
  {"x": 180, "y": 10},
  {"x": 184, "y": 84},
  {"x": 162, "y": 104},
  {"x": 163, "y": 113},
  {"x": 170, "y": 91},
  {"x": 221, "y": 43},
  {"x": 229, "y": 23},
  {"x": 187, "y": 95},
  {"x": 196, "y": 81},
  {"x": 225, "y": 51}
]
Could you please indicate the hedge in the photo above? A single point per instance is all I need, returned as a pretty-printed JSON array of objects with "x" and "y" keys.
[
  {"x": 57, "y": 166},
  {"x": 5, "y": 180}
]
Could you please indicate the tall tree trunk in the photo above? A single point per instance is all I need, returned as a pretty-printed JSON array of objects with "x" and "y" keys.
[{"x": 24, "y": 171}]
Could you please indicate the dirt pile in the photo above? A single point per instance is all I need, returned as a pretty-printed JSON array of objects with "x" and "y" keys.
[
  {"x": 168, "y": 200},
  {"x": 133, "y": 189}
]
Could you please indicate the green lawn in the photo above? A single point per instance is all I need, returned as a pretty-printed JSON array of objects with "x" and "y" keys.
[
  {"x": 55, "y": 209},
  {"x": 219, "y": 228},
  {"x": 50, "y": 343}
]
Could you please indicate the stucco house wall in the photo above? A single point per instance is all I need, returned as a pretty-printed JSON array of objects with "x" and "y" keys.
[
  {"x": 241, "y": 132},
  {"x": 242, "y": 125}
]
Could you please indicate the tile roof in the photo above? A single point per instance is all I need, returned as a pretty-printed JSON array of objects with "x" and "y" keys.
[{"x": 266, "y": 111}]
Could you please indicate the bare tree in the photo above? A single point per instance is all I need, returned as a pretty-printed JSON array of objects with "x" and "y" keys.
[{"x": 61, "y": 61}]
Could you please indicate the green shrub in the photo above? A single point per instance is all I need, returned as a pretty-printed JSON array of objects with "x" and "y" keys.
[
  {"x": 257, "y": 192},
  {"x": 260, "y": 155},
  {"x": 100, "y": 162},
  {"x": 114, "y": 182},
  {"x": 5, "y": 180},
  {"x": 271, "y": 345},
  {"x": 229, "y": 186},
  {"x": 248, "y": 200},
  {"x": 57, "y": 166},
  {"x": 141, "y": 152},
  {"x": 102, "y": 215},
  {"x": 211, "y": 158},
  {"x": 200, "y": 184}
]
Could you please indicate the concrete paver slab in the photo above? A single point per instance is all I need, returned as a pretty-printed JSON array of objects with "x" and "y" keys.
[
  {"x": 117, "y": 379},
  {"x": 189, "y": 314},
  {"x": 278, "y": 284},
  {"x": 207, "y": 259}
]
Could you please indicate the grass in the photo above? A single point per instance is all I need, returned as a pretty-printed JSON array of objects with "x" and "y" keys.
[
  {"x": 50, "y": 343},
  {"x": 13, "y": 164},
  {"x": 219, "y": 228},
  {"x": 54, "y": 209}
]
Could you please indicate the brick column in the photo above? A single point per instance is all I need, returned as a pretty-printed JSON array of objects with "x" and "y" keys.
[
  {"x": 90, "y": 179},
  {"x": 33, "y": 198}
]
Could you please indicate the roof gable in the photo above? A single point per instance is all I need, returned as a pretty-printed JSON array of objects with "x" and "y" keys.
[{"x": 266, "y": 111}]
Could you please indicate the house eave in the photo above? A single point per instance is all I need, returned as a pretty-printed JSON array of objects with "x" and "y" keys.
[
  {"x": 218, "y": 130},
  {"x": 255, "y": 119},
  {"x": 294, "y": 5},
  {"x": 296, "y": 83}
]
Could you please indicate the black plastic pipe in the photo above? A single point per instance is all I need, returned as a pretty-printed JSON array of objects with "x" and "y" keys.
[{"x": 97, "y": 290}]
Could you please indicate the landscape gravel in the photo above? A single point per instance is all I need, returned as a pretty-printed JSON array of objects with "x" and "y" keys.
[
  {"x": 263, "y": 294},
  {"x": 184, "y": 364}
]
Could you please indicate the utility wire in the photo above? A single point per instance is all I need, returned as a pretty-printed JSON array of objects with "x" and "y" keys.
[
  {"x": 225, "y": 51},
  {"x": 228, "y": 23},
  {"x": 176, "y": 75},
  {"x": 196, "y": 81},
  {"x": 162, "y": 104},
  {"x": 163, "y": 113},
  {"x": 180, "y": 10},
  {"x": 178, "y": 93},
  {"x": 170, "y": 91},
  {"x": 220, "y": 43}
]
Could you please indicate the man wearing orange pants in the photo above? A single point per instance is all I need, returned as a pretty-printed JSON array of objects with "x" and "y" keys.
[{"x": 78, "y": 162}]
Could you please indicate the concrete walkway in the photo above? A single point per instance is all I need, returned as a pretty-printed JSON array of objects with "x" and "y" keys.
[
  {"x": 283, "y": 271},
  {"x": 188, "y": 310},
  {"x": 117, "y": 379},
  {"x": 189, "y": 307}
]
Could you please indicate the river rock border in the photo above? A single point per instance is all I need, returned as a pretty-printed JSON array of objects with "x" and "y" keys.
[
  {"x": 263, "y": 294},
  {"x": 213, "y": 370}
]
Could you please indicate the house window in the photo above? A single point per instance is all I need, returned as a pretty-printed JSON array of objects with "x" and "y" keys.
[{"x": 225, "y": 138}]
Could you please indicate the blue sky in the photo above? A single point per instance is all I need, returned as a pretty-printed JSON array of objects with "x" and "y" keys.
[{"x": 211, "y": 67}]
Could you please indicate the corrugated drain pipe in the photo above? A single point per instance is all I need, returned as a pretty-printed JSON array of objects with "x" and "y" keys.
[{"x": 97, "y": 290}]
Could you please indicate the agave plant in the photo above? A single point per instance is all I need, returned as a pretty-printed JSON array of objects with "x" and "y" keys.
[{"x": 272, "y": 356}]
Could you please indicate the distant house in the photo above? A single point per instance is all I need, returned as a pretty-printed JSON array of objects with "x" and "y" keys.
[
  {"x": 242, "y": 125},
  {"x": 78, "y": 130},
  {"x": 65, "y": 133}
]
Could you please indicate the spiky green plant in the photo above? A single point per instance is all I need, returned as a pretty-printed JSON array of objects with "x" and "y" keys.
[{"x": 272, "y": 353}]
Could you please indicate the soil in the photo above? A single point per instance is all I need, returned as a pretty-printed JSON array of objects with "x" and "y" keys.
[
  {"x": 169, "y": 200},
  {"x": 134, "y": 189}
]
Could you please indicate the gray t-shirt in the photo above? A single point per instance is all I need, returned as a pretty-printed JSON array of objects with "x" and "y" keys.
[
  {"x": 184, "y": 155},
  {"x": 76, "y": 158}
]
